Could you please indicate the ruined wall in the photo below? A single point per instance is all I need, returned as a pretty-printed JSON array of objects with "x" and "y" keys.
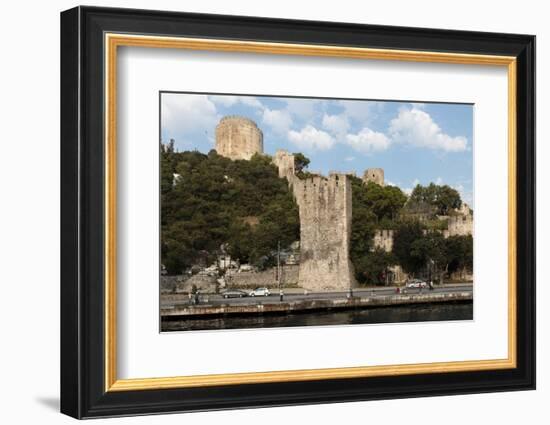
[
  {"x": 375, "y": 175},
  {"x": 459, "y": 225},
  {"x": 285, "y": 163},
  {"x": 238, "y": 138},
  {"x": 325, "y": 231},
  {"x": 383, "y": 239}
]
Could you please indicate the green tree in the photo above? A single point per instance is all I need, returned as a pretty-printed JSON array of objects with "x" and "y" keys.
[
  {"x": 373, "y": 207},
  {"x": 363, "y": 223},
  {"x": 384, "y": 201},
  {"x": 213, "y": 200},
  {"x": 447, "y": 199},
  {"x": 440, "y": 199},
  {"x": 301, "y": 162},
  {"x": 460, "y": 253},
  {"x": 372, "y": 268},
  {"x": 405, "y": 237},
  {"x": 431, "y": 251}
]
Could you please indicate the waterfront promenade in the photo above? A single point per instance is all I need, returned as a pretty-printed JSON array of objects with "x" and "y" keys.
[{"x": 178, "y": 306}]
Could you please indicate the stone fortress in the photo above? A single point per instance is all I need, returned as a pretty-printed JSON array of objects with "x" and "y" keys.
[
  {"x": 375, "y": 175},
  {"x": 325, "y": 209},
  {"x": 238, "y": 138},
  {"x": 324, "y": 205}
]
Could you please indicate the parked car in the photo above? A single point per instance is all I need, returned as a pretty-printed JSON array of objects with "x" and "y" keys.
[
  {"x": 416, "y": 283},
  {"x": 233, "y": 293},
  {"x": 260, "y": 292}
]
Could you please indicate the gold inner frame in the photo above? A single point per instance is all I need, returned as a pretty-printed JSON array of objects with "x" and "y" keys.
[{"x": 113, "y": 41}]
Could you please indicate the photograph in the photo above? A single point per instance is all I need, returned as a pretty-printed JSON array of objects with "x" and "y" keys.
[
  {"x": 299, "y": 211},
  {"x": 287, "y": 210}
]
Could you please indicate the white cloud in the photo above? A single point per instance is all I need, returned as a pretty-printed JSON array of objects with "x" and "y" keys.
[
  {"x": 224, "y": 100},
  {"x": 311, "y": 139},
  {"x": 349, "y": 158},
  {"x": 278, "y": 119},
  {"x": 228, "y": 101},
  {"x": 183, "y": 116},
  {"x": 251, "y": 101},
  {"x": 367, "y": 141},
  {"x": 336, "y": 124},
  {"x": 416, "y": 127},
  {"x": 304, "y": 109},
  {"x": 361, "y": 111}
]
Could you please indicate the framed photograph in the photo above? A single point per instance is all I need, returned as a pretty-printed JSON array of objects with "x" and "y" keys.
[{"x": 261, "y": 212}]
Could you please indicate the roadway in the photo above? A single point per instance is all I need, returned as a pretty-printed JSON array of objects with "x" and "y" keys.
[{"x": 295, "y": 294}]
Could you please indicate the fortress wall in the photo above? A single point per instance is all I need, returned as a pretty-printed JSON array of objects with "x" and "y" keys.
[
  {"x": 325, "y": 231},
  {"x": 460, "y": 225},
  {"x": 383, "y": 239},
  {"x": 285, "y": 163},
  {"x": 238, "y": 138},
  {"x": 325, "y": 227}
]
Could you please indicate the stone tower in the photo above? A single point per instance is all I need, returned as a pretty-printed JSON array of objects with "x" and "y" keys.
[
  {"x": 238, "y": 138},
  {"x": 325, "y": 231},
  {"x": 375, "y": 175},
  {"x": 324, "y": 205},
  {"x": 285, "y": 163}
]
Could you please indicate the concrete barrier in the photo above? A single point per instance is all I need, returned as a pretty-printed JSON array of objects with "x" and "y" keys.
[{"x": 302, "y": 306}]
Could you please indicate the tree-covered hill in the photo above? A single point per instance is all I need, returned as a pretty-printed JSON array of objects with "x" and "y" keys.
[{"x": 209, "y": 200}]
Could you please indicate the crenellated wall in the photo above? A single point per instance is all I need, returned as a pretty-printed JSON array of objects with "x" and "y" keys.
[
  {"x": 324, "y": 205},
  {"x": 285, "y": 163}
]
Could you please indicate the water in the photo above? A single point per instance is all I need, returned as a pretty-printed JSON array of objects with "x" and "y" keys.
[{"x": 415, "y": 313}]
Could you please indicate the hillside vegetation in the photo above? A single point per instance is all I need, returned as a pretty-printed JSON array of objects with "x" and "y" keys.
[{"x": 209, "y": 202}]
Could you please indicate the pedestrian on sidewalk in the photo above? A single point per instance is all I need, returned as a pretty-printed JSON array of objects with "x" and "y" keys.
[{"x": 281, "y": 295}]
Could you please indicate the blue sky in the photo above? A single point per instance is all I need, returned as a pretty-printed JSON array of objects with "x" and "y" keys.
[{"x": 413, "y": 142}]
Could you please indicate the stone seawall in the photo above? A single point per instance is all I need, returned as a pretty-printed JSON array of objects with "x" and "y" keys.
[
  {"x": 181, "y": 283},
  {"x": 267, "y": 278},
  {"x": 304, "y": 306}
]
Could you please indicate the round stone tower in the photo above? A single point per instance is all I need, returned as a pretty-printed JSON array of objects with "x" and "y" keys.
[
  {"x": 238, "y": 138},
  {"x": 375, "y": 175}
]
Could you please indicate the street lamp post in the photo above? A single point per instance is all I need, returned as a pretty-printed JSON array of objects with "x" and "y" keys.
[{"x": 279, "y": 280}]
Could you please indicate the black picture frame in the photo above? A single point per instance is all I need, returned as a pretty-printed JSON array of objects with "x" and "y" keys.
[{"x": 83, "y": 392}]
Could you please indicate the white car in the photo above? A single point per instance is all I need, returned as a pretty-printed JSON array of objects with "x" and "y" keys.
[
  {"x": 416, "y": 283},
  {"x": 260, "y": 292}
]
